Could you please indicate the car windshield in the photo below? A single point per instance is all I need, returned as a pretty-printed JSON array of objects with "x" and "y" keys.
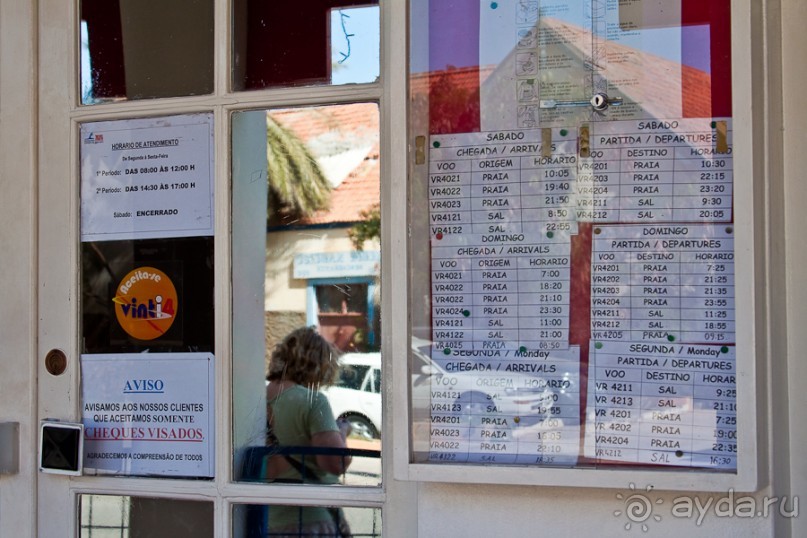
[
  {"x": 376, "y": 380},
  {"x": 351, "y": 376}
]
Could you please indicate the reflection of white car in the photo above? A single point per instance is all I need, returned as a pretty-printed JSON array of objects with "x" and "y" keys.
[
  {"x": 493, "y": 393},
  {"x": 356, "y": 395}
]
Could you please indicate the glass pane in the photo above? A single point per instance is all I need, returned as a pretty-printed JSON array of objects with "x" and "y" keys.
[
  {"x": 147, "y": 296},
  {"x": 107, "y": 516},
  {"x": 142, "y": 49},
  {"x": 188, "y": 262},
  {"x": 306, "y": 300},
  {"x": 352, "y": 376},
  {"x": 253, "y": 520},
  {"x": 572, "y": 233},
  {"x": 335, "y": 299},
  {"x": 306, "y": 43}
]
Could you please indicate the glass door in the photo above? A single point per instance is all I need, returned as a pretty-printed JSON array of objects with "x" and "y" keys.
[{"x": 215, "y": 175}]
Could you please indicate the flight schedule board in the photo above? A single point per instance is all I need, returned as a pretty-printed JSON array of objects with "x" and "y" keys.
[
  {"x": 573, "y": 235},
  {"x": 652, "y": 269}
]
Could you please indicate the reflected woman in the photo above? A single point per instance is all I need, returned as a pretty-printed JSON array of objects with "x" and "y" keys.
[{"x": 298, "y": 415}]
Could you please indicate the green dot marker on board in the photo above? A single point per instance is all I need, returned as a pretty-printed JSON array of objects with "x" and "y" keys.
[
  {"x": 522, "y": 349},
  {"x": 446, "y": 351},
  {"x": 563, "y": 132},
  {"x": 671, "y": 338},
  {"x": 679, "y": 453},
  {"x": 436, "y": 144},
  {"x": 550, "y": 234},
  {"x": 494, "y": 5},
  {"x": 724, "y": 349},
  {"x": 713, "y": 124},
  {"x": 466, "y": 313},
  {"x": 598, "y": 345}
]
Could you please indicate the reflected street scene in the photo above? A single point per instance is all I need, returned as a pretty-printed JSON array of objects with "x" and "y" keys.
[{"x": 306, "y": 257}]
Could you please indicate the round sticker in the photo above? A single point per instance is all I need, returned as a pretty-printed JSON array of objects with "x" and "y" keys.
[{"x": 146, "y": 303}]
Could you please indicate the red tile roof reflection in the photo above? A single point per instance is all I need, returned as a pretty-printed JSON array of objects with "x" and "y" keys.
[
  {"x": 657, "y": 96},
  {"x": 327, "y": 130},
  {"x": 360, "y": 190}
]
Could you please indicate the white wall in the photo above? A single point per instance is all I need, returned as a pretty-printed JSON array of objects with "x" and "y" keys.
[
  {"x": 457, "y": 511},
  {"x": 794, "y": 129},
  {"x": 283, "y": 292},
  {"x": 249, "y": 197},
  {"x": 18, "y": 311}
]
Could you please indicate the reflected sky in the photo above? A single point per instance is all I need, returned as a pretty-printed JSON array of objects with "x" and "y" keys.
[
  {"x": 355, "y": 45},
  {"x": 467, "y": 33}
]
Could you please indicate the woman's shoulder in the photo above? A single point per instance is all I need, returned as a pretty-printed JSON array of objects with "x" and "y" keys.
[{"x": 295, "y": 393}]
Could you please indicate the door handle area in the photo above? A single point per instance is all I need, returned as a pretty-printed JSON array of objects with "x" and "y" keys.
[{"x": 9, "y": 448}]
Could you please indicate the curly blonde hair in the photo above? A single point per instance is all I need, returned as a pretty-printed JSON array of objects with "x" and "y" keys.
[{"x": 304, "y": 357}]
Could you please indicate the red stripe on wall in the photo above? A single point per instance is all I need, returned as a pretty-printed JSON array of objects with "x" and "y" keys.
[
  {"x": 716, "y": 15},
  {"x": 454, "y": 105}
]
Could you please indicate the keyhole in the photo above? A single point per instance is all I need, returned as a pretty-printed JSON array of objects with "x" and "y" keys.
[
  {"x": 599, "y": 101},
  {"x": 56, "y": 362}
]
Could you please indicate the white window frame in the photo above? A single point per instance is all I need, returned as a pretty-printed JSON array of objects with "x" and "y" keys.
[
  {"x": 749, "y": 212},
  {"x": 59, "y": 118}
]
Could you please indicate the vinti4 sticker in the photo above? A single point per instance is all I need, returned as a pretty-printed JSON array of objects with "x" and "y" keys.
[{"x": 146, "y": 303}]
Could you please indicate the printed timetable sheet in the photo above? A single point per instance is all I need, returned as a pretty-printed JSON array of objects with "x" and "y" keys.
[
  {"x": 663, "y": 283},
  {"x": 636, "y": 237},
  {"x": 662, "y": 404}
]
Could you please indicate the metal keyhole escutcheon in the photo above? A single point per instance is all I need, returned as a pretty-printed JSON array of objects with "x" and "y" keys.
[
  {"x": 599, "y": 101},
  {"x": 56, "y": 362}
]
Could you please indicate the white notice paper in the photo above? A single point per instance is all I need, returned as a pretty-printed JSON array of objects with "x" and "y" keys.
[
  {"x": 149, "y": 414},
  {"x": 662, "y": 404},
  {"x": 147, "y": 178}
]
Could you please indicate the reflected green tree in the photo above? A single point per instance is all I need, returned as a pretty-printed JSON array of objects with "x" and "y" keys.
[
  {"x": 367, "y": 229},
  {"x": 297, "y": 186}
]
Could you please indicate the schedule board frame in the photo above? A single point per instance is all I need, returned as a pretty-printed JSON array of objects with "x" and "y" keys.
[{"x": 749, "y": 244}]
